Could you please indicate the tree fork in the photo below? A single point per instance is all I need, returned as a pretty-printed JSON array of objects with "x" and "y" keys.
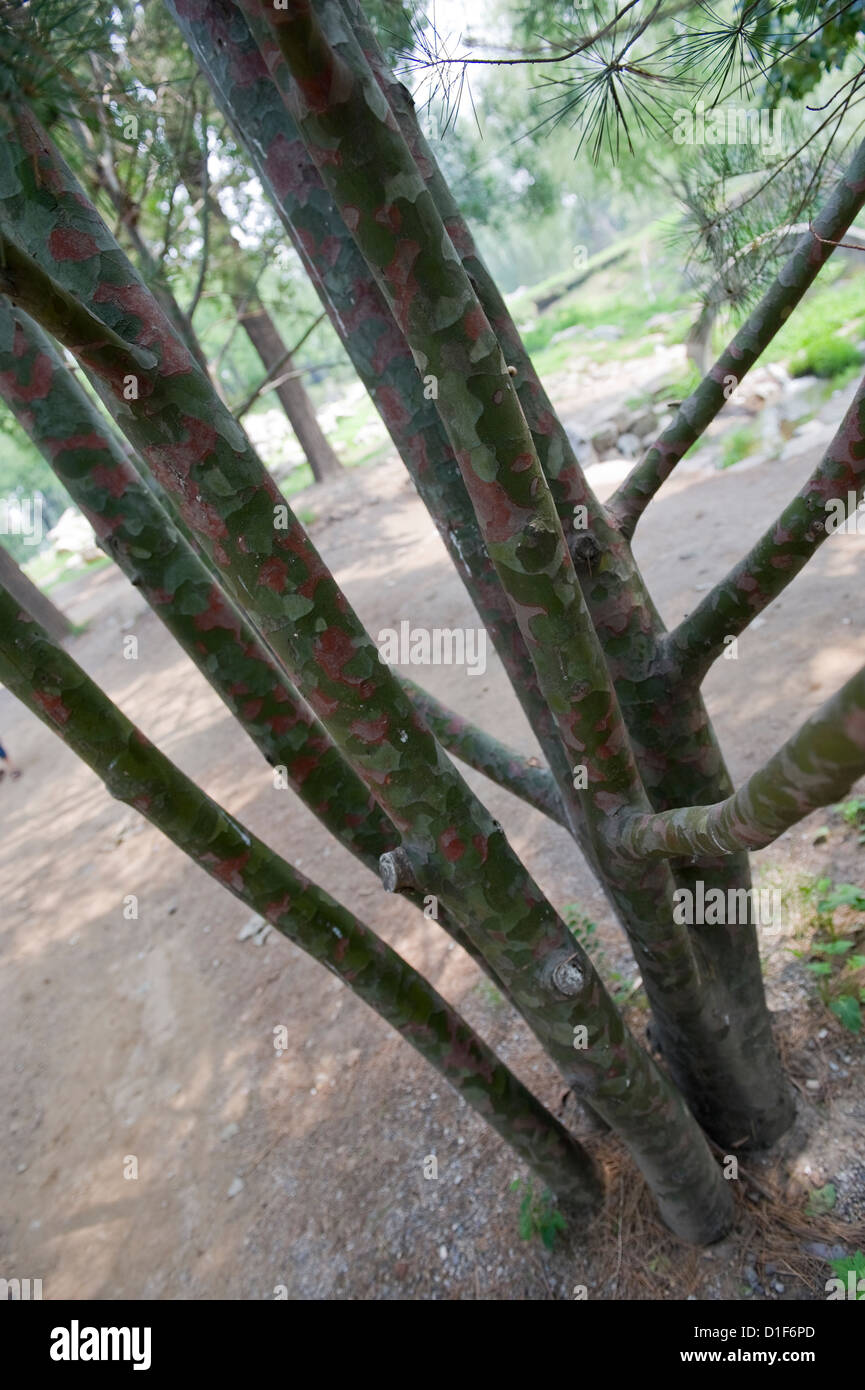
[
  {"x": 523, "y": 533},
  {"x": 674, "y": 744}
]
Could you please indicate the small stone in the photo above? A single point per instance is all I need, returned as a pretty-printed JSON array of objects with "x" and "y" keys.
[
  {"x": 778, "y": 1286},
  {"x": 22, "y": 1168},
  {"x": 443, "y": 1252},
  {"x": 230, "y": 1131},
  {"x": 236, "y": 1186},
  {"x": 250, "y": 927},
  {"x": 813, "y": 1085}
]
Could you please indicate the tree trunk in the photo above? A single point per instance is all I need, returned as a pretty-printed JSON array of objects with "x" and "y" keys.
[
  {"x": 32, "y": 599},
  {"x": 294, "y": 398}
]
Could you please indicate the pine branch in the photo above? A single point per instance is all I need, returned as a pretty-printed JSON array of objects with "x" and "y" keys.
[
  {"x": 696, "y": 413},
  {"x": 779, "y": 555},
  {"x": 815, "y": 767},
  {"x": 502, "y": 474}
]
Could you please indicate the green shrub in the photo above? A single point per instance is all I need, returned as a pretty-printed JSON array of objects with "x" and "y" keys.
[{"x": 825, "y": 357}]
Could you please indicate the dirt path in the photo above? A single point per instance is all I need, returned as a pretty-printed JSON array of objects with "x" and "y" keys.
[{"x": 154, "y": 1038}]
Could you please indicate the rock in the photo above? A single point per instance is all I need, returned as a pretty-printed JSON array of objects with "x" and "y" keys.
[
  {"x": 257, "y": 929},
  {"x": 565, "y": 333},
  {"x": 236, "y": 1186},
  {"x": 73, "y": 535},
  {"x": 604, "y": 438},
  {"x": 629, "y": 445},
  {"x": 583, "y": 448},
  {"x": 823, "y": 1251},
  {"x": 645, "y": 423},
  {"x": 607, "y": 332},
  {"x": 810, "y": 435}
]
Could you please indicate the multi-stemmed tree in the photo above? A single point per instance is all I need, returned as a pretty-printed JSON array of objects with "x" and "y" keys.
[{"x": 634, "y": 770}]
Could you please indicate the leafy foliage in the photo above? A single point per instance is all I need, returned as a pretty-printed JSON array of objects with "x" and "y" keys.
[{"x": 539, "y": 1215}]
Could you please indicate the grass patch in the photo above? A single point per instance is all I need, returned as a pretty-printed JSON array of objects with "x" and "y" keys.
[
  {"x": 826, "y": 358},
  {"x": 737, "y": 445}
]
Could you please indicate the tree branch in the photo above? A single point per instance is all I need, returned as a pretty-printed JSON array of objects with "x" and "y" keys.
[
  {"x": 778, "y": 556},
  {"x": 267, "y": 380},
  {"x": 478, "y": 749},
  {"x": 813, "y": 768},
  {"x": 696, "y": 413},
  {"x": 57, "y": 691}
]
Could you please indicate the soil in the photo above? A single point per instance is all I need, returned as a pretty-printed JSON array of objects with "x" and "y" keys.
[{"x": 302, "y": 1174}]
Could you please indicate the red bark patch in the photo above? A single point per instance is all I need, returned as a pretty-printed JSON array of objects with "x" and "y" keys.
[
  {"x": 389, "y": 216},
  {"x": 53, "y": 706},
  {"x": 39, "y": 385},
  {"x": 218, "y": 613},
  {"x": 401, "y": 279},
  {"x": 370, "y": 730},
  {"x": 69, "y": 244},
  {"x": 290, "y": 170},
  {"x": 301, "y": 769},
  {"x": 112, "y": 479},
  {"x": 230, "y": 871},
  {"x": 474, "y": 322},
  {"x": 452, "y": 847},
  {"x": 334, "y": 649},
  {"x": 273, "y": 574},
  {"x": 278, "y": 908},
  {"x": 154, "y": 331},
  {"x": 392, "y": 406},
  {"x": 499, "y": 517}
]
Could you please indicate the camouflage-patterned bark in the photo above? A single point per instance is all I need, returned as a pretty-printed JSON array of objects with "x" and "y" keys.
[
  {"x": 224, "y": 46},
  {"x": 92, "y": 465},
  {"x": 478, "y": 749},
  {"x": 450, "y": 846},
  {"x": 696, "y": 413},
  {"x": 673, "y": 741},
  {"x": 67, "y": 428},
  {"x": 814, "y": 767},
  {"x": 384, "y": 200},
  {"x": 781, "y": 552},
  {"x": 58, "y": 692},
  {"x": 674, "y": 744}
]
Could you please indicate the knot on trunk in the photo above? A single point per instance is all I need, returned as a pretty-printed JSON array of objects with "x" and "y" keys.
[{"x": 396, "y": 870}]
